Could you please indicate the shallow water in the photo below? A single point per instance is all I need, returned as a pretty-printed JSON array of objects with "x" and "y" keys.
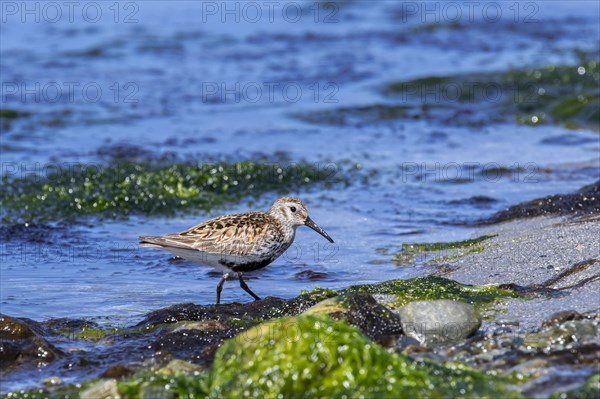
[{"x": 158, "y": 78}]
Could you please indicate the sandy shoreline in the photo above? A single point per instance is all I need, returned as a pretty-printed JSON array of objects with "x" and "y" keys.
[{"x": 561, "y": 250}]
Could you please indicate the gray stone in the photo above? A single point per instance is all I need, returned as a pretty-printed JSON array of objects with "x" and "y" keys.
[
  {"x": 104, "y": 389},
  {"x": 438, "y": 322},
  {"x": 385, "y": 299},
  {"x": 53, "y": 381},
  {"x": 180, "y": 366}
]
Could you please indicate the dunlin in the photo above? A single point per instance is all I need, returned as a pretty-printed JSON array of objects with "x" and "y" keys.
[{"x": 241, "y": 242}]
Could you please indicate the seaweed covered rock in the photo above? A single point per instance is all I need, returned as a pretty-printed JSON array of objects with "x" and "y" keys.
[
  {"x": 21, "y": 342},
  {"x": 264, "y": 309},
  {"x": 317, "y": 357},
  {"x": 585, "y": 201},
  {"x": 401, "y": 292},
  {"x": 361, "y": 310},
  {"x": 198, "y": 331}
]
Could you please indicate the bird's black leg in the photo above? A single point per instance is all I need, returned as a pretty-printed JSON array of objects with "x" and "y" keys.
[
  {"x": 220, "y": 287},
  {"x": 246, "y": 288}
]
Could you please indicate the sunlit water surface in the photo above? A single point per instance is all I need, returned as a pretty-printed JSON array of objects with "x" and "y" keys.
[{"x": 168, "y": 60}]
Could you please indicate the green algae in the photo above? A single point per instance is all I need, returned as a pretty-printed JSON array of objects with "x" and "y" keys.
[
  {"x": 567, "y": 95},
  {"x": 318, "y": 293},
  {"x": 97, "y": 334},
  {"x": 143, "y": 384},
  {"x": 68, "y": 391},
  {"x": 7, "y": 113},
  {"x": 317, "y": 357},
  {"x": 7, "y": 116},
  {"x": 409, "y": 252},
  {"x": 152, "y": 384},
  {"x": 149, "y": 188},
  {"x": 433, "y": 287},
  {"x": 303, "y": 357},
  {"x": 441, "y": 246}
]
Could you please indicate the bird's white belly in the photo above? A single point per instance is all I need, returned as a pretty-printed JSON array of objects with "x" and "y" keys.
[{"x": 216, "y": 261}]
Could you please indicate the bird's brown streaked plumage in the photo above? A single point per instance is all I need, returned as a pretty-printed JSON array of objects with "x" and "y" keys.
[
  {"x": 240, "y": 234},
  {"x": 240, "y": 242}
]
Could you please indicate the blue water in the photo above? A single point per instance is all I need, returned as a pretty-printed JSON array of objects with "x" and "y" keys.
[{"x": 189, "y": 78}]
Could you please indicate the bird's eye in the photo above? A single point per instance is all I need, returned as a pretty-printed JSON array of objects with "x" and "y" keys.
[{"x": 293, "y": 208}]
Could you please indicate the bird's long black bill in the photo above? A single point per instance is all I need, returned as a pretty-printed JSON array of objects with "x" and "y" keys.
[{"x": 316, "y": 228}]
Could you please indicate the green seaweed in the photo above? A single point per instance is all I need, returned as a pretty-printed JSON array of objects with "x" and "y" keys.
[
  {"x": 7, "y": 116},
  {"x": 7, "y": 113},
  {"x": 143, "y": 384},
  {"x": 441, "y": 246},
  {"x": 446, "y": 258},
  {"x": 432, "y": 287},
  {"x": 305, "y": 356},
  {"x": 148, "y": 188},
  {"x": 318, "y": 293},
  {"x": 316, "y": 357},
  {"x": 67, "y": 391},
  {"x": 568, "y": 95},
  {"x": 151, "y": 384},
  {"x": 409, "y": 251},
  {"x": 99, "y": 334}
]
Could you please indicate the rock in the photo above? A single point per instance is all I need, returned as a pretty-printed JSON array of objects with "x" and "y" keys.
[
  {"x": 586, "y": 201},
  {"x": 384, "y": 299},
  {"x": 439, "y": 321},
  {"x": 568, "y": 335},
  {"x": 560, "y": 317},
  {"x": 176, "y": 313},
  {"x": 264, "y": 309},
  {"x": 105, "y": 389},
  {"x": 117, "y": 371},
  {"x": 205, "y": 325},
  {"x": 53, "y": 381},
  {"x": 197, "y": 340},
  {"x": 531, "y": 367},
  {"x": 180, "y": 366},
  {"x": 313, "y": 356},
  {"x": 21, "y": 342},
  {"x": 195, "y": 345},
  {"x": 405, "y": 342},
  {"x": 69, "y": 327},
  {"x": 14, "y": 328},
  {"x": 361, "y": 310},
  {"x": 154, "y": 392},
  {"x": 375, "y": 321},
  {"x": 311, "y": 275},
  {"x": 327, "y": 306}
]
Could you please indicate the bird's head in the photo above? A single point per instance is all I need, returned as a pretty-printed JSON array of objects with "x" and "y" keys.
[{"x": 294, "y": 213}]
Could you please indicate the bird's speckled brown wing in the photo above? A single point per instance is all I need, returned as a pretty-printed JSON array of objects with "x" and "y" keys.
[{"x": 240, "y": 235}]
